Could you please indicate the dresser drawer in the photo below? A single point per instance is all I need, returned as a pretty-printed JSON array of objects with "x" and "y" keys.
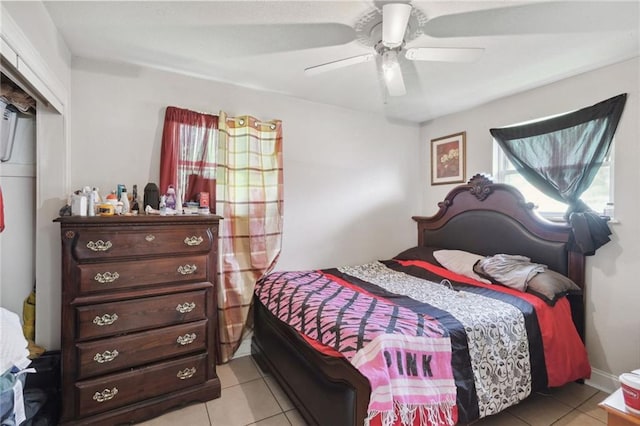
[
  {"x": 115, "y": 353},
  {"x": 106, "y": 276},
  {"x": 106, "y": 319},
  {"x": 141, "y": 242},
  {"x": 105, "y": 393}
]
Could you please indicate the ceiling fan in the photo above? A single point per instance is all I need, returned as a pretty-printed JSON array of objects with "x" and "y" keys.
[{"x": 388, "y": 39}]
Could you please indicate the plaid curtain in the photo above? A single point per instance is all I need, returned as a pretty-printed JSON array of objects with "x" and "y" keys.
[
  {"x": 249, "y": 198},
  {"x": 188, "y": 156}
]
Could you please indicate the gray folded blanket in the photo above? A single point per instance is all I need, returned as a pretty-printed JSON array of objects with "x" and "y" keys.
[{"x": 510, "y": 270}]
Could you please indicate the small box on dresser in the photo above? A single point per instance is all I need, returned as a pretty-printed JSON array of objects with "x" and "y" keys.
[{"x": 139, "y": 321}]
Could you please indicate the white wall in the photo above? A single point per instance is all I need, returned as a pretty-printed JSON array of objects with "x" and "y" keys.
[
  {"x": 351, "y": 180},
  {"x": 613, "y": 293}
]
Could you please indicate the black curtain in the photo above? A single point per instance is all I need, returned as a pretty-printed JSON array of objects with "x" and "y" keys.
[{"x": 561, "y": 156}]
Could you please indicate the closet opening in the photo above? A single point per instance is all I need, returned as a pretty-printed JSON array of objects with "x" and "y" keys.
[{"x": 17, "y": 200}]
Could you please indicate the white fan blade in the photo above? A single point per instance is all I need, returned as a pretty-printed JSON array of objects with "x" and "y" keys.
[
  {"x": 444, "y": 54},
  {"x": 340, "y": 63},
  {"x": 392, "y": 74},
  {"x": 395, "y": 17},
  {"x": 548, "y": 17}
]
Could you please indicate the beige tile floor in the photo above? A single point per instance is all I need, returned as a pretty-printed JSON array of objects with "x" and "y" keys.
[{"x": 250, "y": 397}]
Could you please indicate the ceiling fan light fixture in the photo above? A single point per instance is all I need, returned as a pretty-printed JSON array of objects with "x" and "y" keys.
[
  {"x": 395, "y": 17},
  {"x": 393, "y": 74}
]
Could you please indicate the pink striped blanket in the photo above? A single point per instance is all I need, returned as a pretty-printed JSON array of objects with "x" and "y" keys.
[{"x": 406, "y": 356}]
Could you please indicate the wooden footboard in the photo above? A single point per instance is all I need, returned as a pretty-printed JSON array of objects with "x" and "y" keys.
[{"x": 325, "y": 390}]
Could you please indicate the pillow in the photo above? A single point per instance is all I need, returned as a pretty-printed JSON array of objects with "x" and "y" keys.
[
  {"x": 418, "y": 253},
  {"x": 551, "y": 285},
  {"x": 548, "y": 285},
  {"x": 460, "y": 262}
]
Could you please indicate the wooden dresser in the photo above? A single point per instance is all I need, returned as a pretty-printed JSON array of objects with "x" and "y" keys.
[{"x": 139, "y": 323}]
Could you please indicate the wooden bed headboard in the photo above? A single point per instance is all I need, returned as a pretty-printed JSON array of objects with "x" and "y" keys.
[{"x": 486, "y": 218}]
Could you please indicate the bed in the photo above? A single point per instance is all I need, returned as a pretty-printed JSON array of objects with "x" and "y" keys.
[{"x": 479, "y": 217}]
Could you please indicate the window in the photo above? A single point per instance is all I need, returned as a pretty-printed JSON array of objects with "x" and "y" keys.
[{"x": 596, "y": 197}]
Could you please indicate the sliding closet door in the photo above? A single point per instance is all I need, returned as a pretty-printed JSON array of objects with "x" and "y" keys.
[{"x": 51, "y": 189}]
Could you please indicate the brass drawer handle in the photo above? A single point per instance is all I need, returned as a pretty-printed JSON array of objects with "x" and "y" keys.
[
  {"x": 187, "y": 339},
  {"x": 107, "y": 277},
  {"x": 183, "y": 308},
  {"x": 99, "y": 245},
  {"x": 106, "y": 356},
  {"x": 187, "y": 373},
  {"x": 150, "y": 237},
  {"x": 106, "y": 319},
  {"x": 193, "y": 241},
  {"x": 187, "y": 269},
  {"x": 105, "y": 395}
]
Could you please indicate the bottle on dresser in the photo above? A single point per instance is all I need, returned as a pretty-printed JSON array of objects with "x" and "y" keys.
[
  {"x": 170, "y": 198},
  {"x": 124, "y": 199},
  {"x": 163, "y": 205},
  {"x": 96, "y": 200},
  {"x": 135, "y": 207}
]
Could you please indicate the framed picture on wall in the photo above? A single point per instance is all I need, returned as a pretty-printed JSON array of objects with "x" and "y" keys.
[{"x": 448, "y": 161}]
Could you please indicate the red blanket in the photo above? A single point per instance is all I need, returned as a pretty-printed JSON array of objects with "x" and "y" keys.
[{"x": 564, "y": 353}]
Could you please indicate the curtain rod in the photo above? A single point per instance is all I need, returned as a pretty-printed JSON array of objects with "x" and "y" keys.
[{"x": 241, "y": 121}]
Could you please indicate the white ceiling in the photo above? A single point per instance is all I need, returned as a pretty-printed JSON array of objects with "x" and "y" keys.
[{"x": 266, "y": 45}]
